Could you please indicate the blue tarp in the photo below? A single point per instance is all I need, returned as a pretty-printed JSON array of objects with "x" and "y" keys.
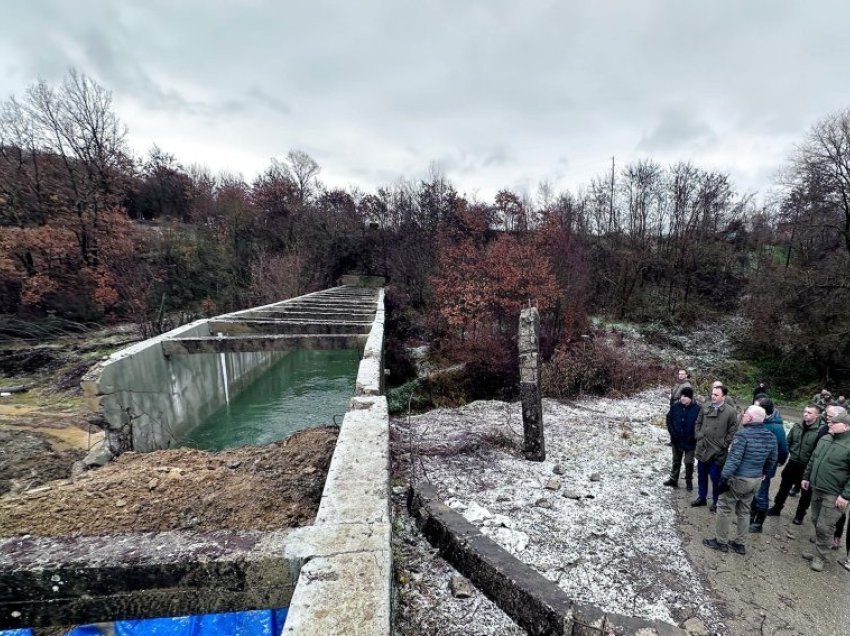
[{"x": 254, "y": 623}]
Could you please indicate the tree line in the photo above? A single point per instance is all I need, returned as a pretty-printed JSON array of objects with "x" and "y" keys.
[{"x": 88, "y": 231}]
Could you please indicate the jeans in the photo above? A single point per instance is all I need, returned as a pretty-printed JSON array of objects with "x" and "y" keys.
[
  {"x": 704, "y": 471},
  {"x": 762, "y": 496}
]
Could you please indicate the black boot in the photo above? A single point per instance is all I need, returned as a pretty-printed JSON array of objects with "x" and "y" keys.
[
  {"x": 758, "y": 521},
  {"x": 774, "y": 511},
  {"x": 689, "y": 477},
  {"x": 673, "y": 483}
]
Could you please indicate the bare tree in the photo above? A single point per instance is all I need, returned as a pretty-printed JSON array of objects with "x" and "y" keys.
[
  {"x": 821, "y": 170},
  {"x": 303, "y": 169}
]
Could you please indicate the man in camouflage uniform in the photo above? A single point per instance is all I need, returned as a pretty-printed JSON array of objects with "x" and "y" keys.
[{"x": 828, "y": 476}]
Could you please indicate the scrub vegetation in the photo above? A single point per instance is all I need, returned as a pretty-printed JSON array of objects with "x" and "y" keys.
[{"x": 90, "y": 233}]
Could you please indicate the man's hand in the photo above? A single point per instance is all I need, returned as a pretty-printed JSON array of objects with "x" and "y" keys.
[
  {"x": 804, "y": 484},
  {"x": 841, "y": 502}
]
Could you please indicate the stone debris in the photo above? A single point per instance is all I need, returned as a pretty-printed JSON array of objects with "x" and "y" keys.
[
  {"x": 499, "y": 520},
  {"x": 558, "y": 469},
  {"x": 553, "y": 484},
  {"x": 475, "y": 513},
  {"x": 514, "y": 541},
  {"x": 595, "y": 477},
  {"x": 461, "y": 587},
  {"x": 696, "y": 627},
  {"x": 571, "y": 494},
  {"x": 98, "y": 456}
]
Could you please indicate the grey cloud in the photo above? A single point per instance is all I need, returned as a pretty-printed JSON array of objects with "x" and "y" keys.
[
  {"x": 468, "y": 82},
  {"x": 469, "y": 162},
  {"x": 107, "y": 53},
  {"x": 270, "y": 101},
  {"x": 678, "y": 129}
]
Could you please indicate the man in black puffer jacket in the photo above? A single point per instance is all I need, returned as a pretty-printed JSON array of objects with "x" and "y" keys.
[
  {"x": 752, "y": 455},
  {"x": 681, "y": 424}
]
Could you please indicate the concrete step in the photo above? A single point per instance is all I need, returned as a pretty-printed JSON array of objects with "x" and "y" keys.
[
  {"x": 247, "y": 344},
  {"x": 289, "y": 326}
]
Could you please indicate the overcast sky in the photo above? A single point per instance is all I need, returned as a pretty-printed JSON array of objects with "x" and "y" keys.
[{"x": 497, "y": 93}]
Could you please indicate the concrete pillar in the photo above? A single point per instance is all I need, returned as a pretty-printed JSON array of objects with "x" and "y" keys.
[{"x": 534, "y": 447}]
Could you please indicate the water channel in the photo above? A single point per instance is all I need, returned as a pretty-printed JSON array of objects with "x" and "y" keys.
[{"x": 303, "y": 389}]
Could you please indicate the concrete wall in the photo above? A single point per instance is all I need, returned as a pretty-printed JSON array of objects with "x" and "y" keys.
[
  {"x": 343, "y": 562},
  {"x": 149, "y": 401},
  {"x": 344, "y": 586}
]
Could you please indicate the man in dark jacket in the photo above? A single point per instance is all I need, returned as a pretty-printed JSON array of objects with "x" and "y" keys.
[
  {"x": 828, "y": 475},
  {"x": 681, "y": 425},
  {"x": 773, "y": 423},
  {"x": 716, "y": 424},
  {"x": 752, "y": 455},
  {"x": 802, "y": 440}
]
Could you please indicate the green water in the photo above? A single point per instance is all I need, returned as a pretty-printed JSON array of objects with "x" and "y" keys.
[{"x": 303, "y": 389}]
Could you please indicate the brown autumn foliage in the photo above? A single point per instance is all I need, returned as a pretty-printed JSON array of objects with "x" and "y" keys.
[{"x": 88, "y": 231}]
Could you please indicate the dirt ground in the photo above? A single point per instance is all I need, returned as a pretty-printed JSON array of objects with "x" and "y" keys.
[
  {"x": 250, "y": 488},
  {"x": 771, "y": 589},
  {"x": 44, "y": 430}
]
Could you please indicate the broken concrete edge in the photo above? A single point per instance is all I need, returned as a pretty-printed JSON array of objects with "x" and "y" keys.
[
  {"x": 48, "y": 581},
  {"x": 534, "y": 602},
  {"x": 370, "y": 373},
  {"x": 345, "y": 584}
]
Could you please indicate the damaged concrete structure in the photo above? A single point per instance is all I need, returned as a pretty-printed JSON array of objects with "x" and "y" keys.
[
  {"x": 151, "y": 394},
  {"x": 534, "y": 602},
  {"x": 334, "y": 576},
  {"x": 528, "y": 341}
]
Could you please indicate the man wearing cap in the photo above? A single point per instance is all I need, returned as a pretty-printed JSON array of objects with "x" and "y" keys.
[
  {"x": 828, "y": 475},
  {"x": 752, "y": 455},
  {"x": 715, "y": 427},
  {"x": 681, "y": 424}
]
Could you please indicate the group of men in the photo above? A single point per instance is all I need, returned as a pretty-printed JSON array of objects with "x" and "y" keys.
[{"x": 739, "y": 452}]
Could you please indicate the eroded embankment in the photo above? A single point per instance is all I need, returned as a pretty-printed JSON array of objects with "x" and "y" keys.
[{"x": 250, "y": 488}]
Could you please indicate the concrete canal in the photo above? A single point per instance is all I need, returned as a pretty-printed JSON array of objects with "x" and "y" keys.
[{"x": 303, "y": 389}]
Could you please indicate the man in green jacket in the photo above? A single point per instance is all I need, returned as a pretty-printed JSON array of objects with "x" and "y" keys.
[
  {"x": 802, "y": 440},
  {"x": 828, "y": 475},
  {"x": 715, "y": 428}
]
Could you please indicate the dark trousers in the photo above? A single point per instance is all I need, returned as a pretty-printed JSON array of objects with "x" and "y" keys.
[
  {"x": 792, "y": 474},
  {"x": 704, "y": 471},
  {"x": 678, "y": 456}
]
